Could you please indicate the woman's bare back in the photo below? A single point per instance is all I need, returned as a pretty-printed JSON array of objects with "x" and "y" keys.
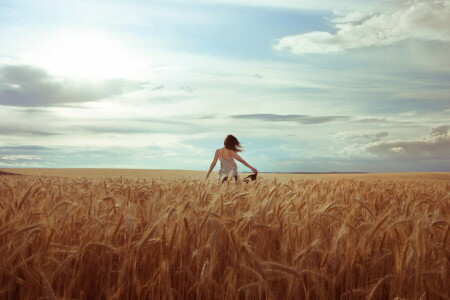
[{"x": 225, "y": 153}]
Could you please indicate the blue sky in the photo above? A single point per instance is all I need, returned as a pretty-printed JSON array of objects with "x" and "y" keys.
[{"x": 329, "y": 86}]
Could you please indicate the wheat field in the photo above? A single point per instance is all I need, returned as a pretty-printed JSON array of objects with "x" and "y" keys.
[{"x": 126, "y": 238}]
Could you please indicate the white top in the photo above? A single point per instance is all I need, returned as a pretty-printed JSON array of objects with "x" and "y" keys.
[{"x": 227, "y": 167}]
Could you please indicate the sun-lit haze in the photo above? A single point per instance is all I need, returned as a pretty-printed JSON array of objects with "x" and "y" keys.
[
  {"x": 311, "y": 86},
  {"x": 84, "y": 55}
]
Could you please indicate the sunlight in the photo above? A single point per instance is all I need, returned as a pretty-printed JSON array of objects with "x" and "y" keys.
[{"x": 86, "y": 55}]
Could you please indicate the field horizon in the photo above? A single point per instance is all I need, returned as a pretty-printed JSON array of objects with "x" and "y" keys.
[{"x": 196, "y": 174}]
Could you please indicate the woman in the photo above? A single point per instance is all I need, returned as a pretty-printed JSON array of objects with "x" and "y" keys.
[{"x": 226, "y": 155}]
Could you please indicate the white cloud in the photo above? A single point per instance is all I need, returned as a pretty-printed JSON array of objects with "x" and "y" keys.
[
  {"x": 21, "y": 157},
  {"x": 410, "y": 20},
  {"x": 435, "y": 146}
]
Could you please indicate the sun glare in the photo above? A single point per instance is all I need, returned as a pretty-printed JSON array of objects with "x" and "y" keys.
[{"x": 86, "y": 55}]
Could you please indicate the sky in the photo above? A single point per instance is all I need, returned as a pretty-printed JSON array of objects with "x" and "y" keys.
[{"x": 306, "y": 86}]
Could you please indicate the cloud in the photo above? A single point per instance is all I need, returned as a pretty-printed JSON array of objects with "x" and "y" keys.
[
  {"x": 380, "y": 120},
  {"x": 301, "y": 119},
  {"x": 29, "y": 86},
  {"x": 12, "y": 159},
  {"x": 372, "y": 120},
  {"x": 434, "y": 147},
  {"x": 34, "y": 111},
  {"x": 374, "y": 137},
  {"x": 409, "y": 20},
  {"x": 159, "y": 87},
  {"x": 187, "y": 89},
  {"x": 21, "y": 130},
  {"x": 136, "y": 126},
  {"x": 20, "y": 157},
  {"x": 440, "y": 131},
  {"x": 26, "y": 148},
  {"x": 117, "y": 129},
  {"x": 18, "y": 154},
  {"x": 310, "y": 120}
]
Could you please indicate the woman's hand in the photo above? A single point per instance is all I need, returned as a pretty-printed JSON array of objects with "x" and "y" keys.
[{"x": 254, "y": 170}]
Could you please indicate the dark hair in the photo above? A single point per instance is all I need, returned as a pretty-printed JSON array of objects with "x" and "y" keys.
[{"x": 232, "y": 143}]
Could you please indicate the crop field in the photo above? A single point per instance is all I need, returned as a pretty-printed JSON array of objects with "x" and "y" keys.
[{"x": 181, "y": 238}]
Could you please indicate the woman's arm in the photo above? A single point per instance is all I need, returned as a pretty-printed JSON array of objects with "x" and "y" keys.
[
  {"x": 213, "y": 164},
  {"x": 237, "y": 157}
]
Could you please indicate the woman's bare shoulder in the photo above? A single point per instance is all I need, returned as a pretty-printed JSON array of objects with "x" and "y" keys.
[{"x": 234, "y": 154}]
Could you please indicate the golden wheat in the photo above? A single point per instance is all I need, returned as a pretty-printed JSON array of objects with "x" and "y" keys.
[{"x": 120, "y": 238}]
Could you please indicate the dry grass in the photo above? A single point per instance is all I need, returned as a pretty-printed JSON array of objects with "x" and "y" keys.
[
  {"x": 84, "y": 238},
  {"x": 189, "y": 174}
]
